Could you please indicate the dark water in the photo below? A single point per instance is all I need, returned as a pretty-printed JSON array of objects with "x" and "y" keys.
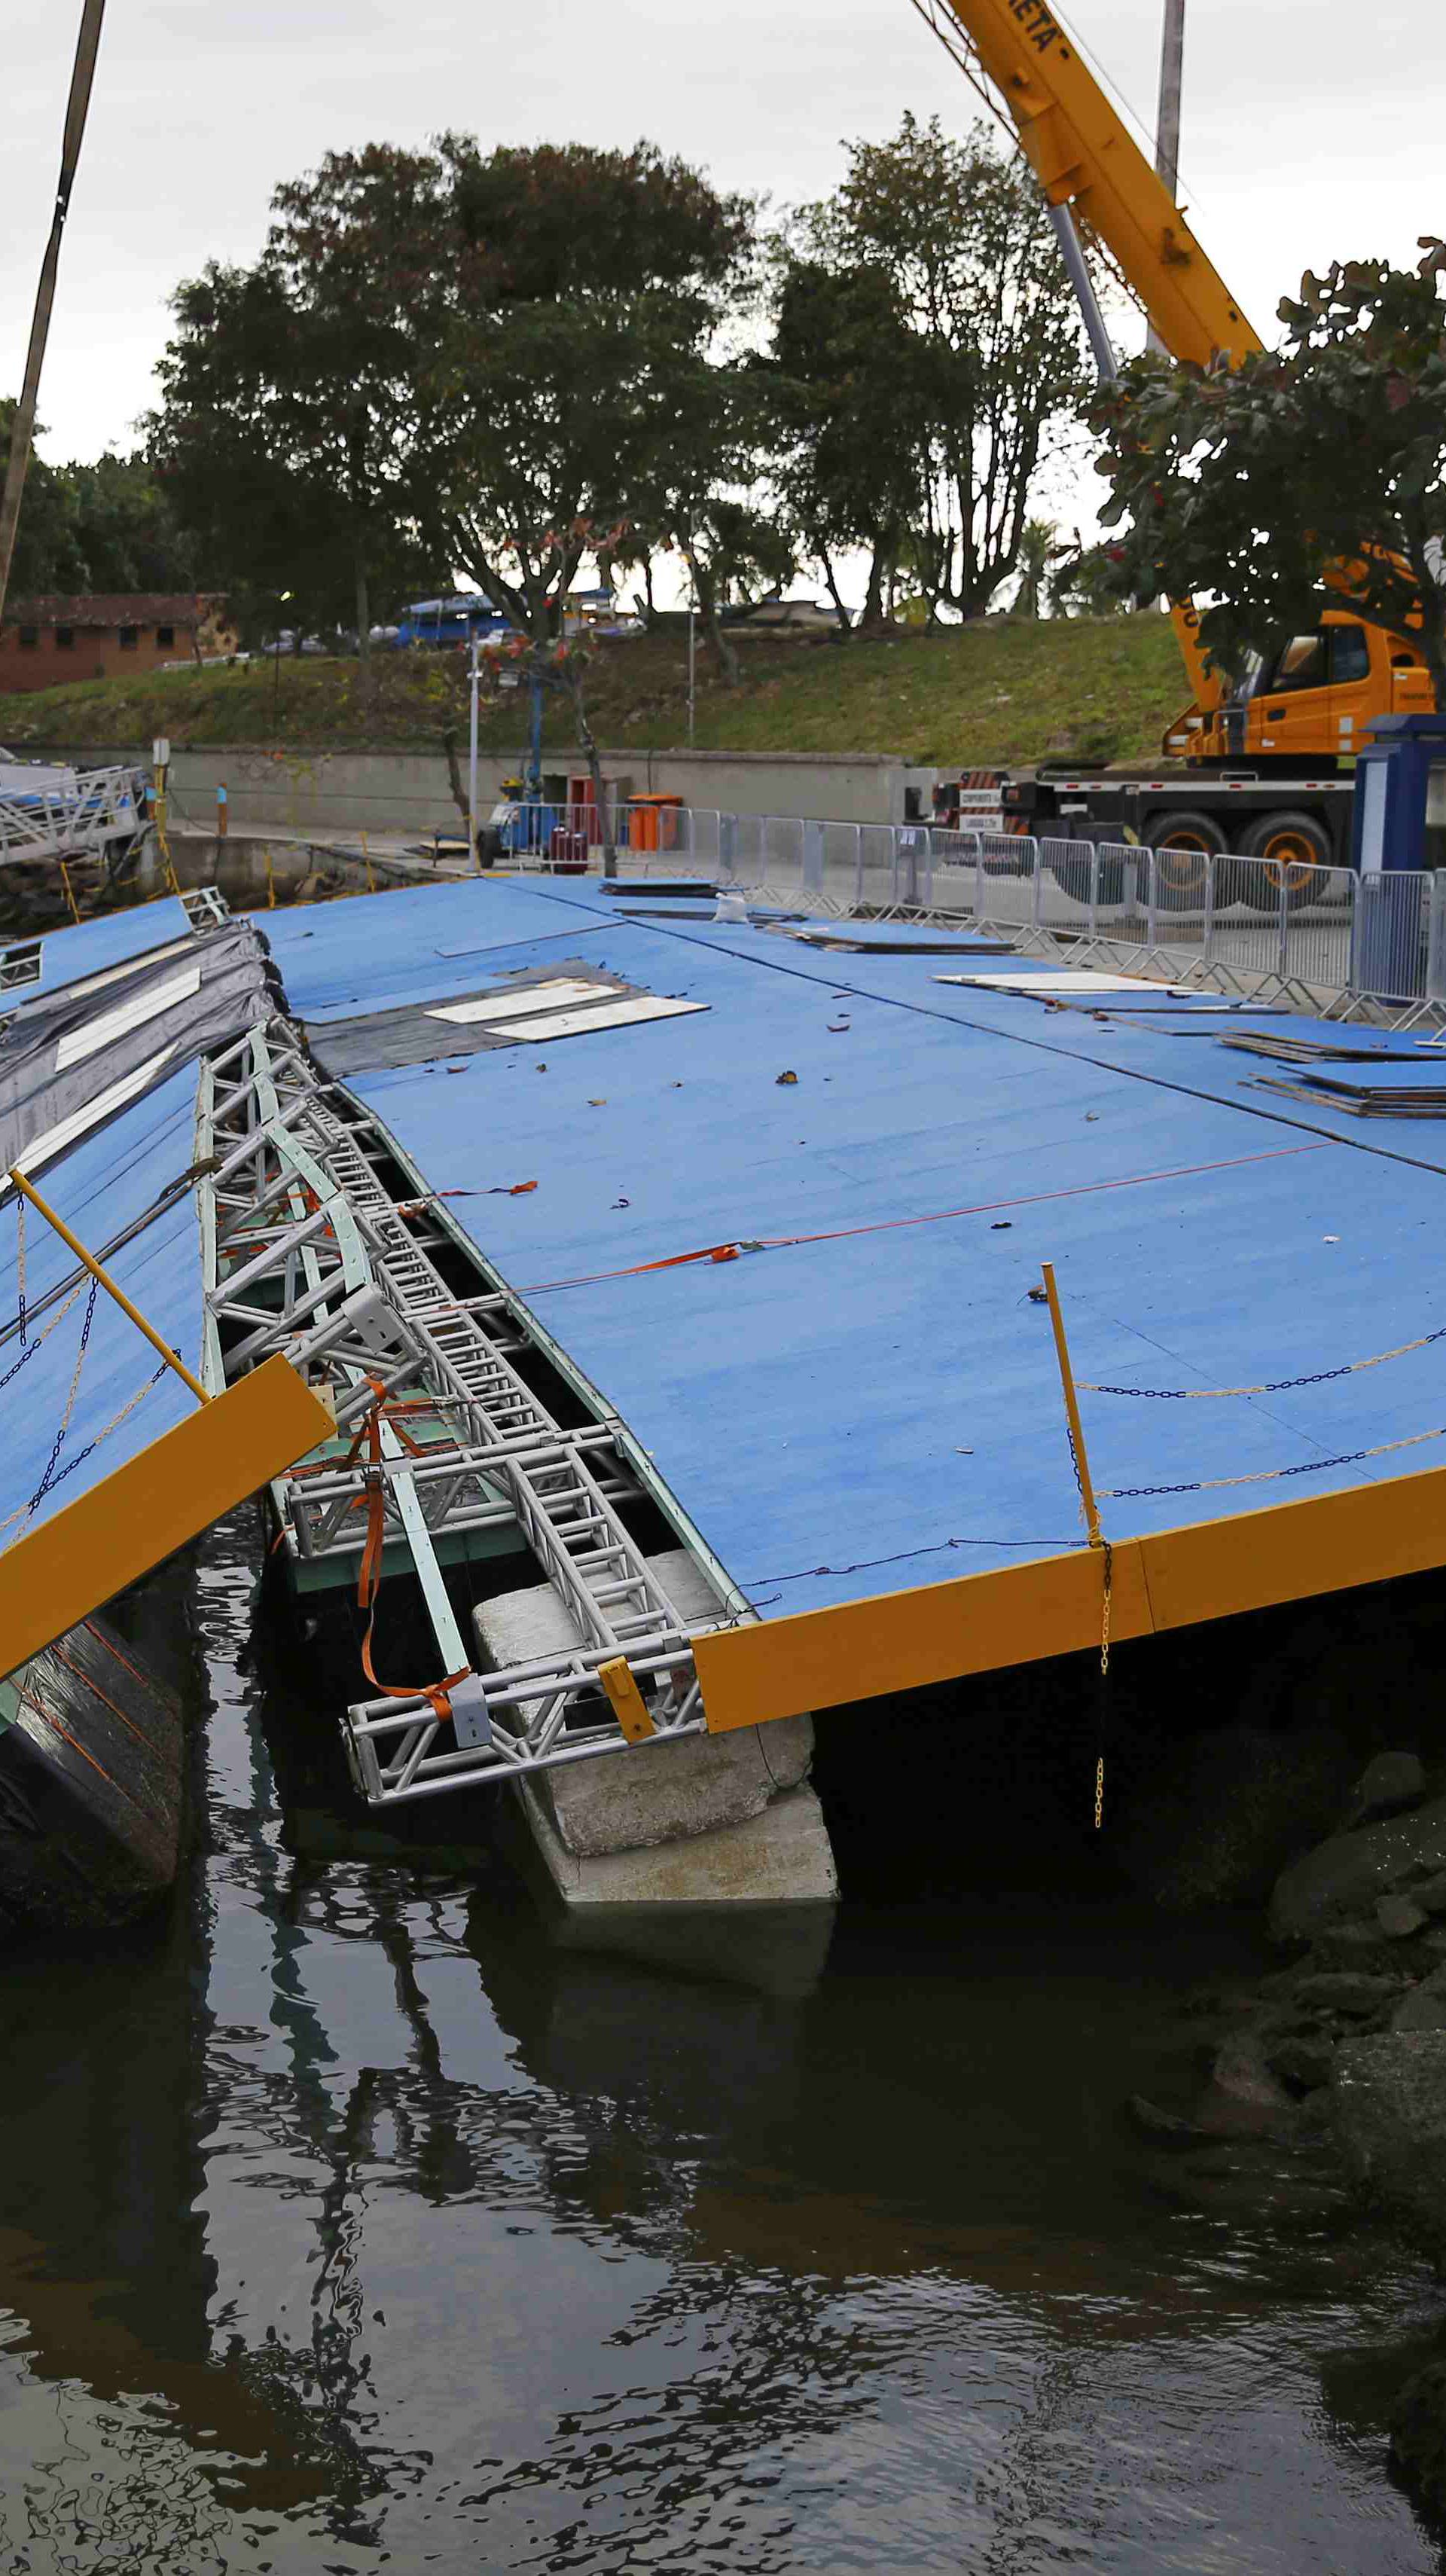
[{"x": 354, "y": 2222}]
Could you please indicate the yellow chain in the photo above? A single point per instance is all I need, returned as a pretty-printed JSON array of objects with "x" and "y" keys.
[{"x": 1099, "y": 1791}]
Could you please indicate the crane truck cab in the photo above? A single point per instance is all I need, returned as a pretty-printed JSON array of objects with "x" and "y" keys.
[{"x": 1306, "y": 698}]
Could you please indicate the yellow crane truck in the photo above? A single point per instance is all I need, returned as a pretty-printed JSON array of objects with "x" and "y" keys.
[{"x": 1269, "y": 754}]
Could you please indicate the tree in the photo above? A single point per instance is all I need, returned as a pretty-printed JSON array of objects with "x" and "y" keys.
[
  {"x": 48, "y": 554},
  {"x": 128, "y": 531},
  {"x": 568, "y": 381},
  {"x": 961, "y": 233},
  {"x": 1085, "y": 582},
  {"x": 1038, "y": 553},
  {"x": 1309, "y": 474},
  {"x": 845, "y": 371},
  {"x": 695, "y": 488},
  {"x": 290, "y": 431}
]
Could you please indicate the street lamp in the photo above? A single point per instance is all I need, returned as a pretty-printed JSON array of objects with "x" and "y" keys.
[
  {"x": 472, "y": 752},
  {"x": 282, "y": 598}
]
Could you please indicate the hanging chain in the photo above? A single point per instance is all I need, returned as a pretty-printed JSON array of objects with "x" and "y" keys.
[{"x": 46, "y": 1481}]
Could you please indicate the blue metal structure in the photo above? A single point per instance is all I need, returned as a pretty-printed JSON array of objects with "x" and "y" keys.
[
  {"x": 450, "y": 622},
  {"x": 866, "y": 1396},
  {"x": 61, "y": 957}
]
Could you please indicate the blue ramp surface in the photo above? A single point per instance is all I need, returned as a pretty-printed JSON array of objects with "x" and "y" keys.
[
  {"x": 89, "y": 947},
  {"x": 100, "y": 1187},
  {"x": 792, "y": 1235}
]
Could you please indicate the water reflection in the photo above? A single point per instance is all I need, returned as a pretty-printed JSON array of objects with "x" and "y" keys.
[{"x": 360, "y": 2214}]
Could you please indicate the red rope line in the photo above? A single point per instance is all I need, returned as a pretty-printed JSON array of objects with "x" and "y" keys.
[{"x": 938, "y": 1216}]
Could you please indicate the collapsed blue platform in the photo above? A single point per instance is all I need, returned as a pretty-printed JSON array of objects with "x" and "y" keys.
[{"x": 872, "y": 1400}]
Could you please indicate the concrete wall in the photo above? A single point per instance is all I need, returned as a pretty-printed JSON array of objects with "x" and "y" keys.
[{"x": 408, "y": 791}]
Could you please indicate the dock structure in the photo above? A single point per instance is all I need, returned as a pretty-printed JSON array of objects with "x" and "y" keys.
[
  {"x": 675, "y": 1280},
  {"x": 48, "y": 815}
]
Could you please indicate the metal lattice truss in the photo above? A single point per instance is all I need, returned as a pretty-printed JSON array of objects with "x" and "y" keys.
[
  {"x": 72, "y": 814},
  {"x": 308, "y": 1254},
  {"x": 205, "y": 907}
]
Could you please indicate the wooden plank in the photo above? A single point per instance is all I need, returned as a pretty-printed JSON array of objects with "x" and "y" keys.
[{"x": 134, "y": 1519}]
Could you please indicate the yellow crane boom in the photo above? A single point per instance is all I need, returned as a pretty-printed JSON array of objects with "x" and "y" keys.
[{"x": 1085, "y": 157}]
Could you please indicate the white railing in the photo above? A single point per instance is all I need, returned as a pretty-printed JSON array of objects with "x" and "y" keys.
[
  {"x": 1251, "y": 925},
  {"x": 68, "y": 813}
]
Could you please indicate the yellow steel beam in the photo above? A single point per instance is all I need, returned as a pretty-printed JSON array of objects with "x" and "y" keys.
[
  {"x": 148, "y": 1508},
  {"x": 988, "y": 1622}
]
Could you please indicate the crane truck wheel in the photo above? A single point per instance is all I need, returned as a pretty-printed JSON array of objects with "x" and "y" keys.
[
  {"x": 1288, "y": 848},
  {"x": 1183, "y": 843}
]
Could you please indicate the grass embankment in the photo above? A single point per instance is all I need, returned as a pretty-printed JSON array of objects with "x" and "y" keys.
[{"x": 1001, "y": 691}]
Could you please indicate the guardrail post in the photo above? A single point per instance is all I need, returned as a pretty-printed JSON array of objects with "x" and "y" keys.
[
  {"x": 1436, "y": 939},
  {"x": 1207, "y": 941},
  {"x": 1283, "y": 927},
  {"x": 1034, "y": 886}
]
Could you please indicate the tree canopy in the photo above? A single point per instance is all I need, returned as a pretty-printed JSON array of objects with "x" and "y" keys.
[
  {"x": 1311, "y": 472},
  {"x": 944, "y": 248},
  {"x": 290, "y": 426}
]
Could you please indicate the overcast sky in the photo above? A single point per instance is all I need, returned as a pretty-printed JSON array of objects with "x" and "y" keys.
[{"x": 1310, "y": 130}]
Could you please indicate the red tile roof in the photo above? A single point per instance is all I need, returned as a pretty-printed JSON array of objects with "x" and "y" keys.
[{"x": 114, "y": 608}]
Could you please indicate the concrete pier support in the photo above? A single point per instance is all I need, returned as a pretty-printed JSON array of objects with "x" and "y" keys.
[{"x": 712, "y": 1819}]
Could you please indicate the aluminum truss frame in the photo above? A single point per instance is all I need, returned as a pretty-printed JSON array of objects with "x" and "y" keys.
[
  {"x": 306, "y": 1252},
  {"x": 70, "y": 817}
]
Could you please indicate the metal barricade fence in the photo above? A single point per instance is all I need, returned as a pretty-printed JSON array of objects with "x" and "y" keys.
[
  {"x": 954, "y": 870},
  {"x": 1382, "y": 936},
  {"x": 913, "y": 867},
  {"x": 1257, "y": 915},
  {"x": 1436, "y": 939},
  {"x": 1391, "y": 942},
  {"x": 877, "y": 864},
  {"x": 837, "y": 854},
  {"x": 1068, "y": 891},
  {"x": 1008, "y": 879}
]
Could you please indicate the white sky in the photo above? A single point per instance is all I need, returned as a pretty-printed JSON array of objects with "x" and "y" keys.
[{"x": 1310, "y": 130}]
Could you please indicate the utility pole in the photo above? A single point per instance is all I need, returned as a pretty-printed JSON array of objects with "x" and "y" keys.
[
  {"x": 1167, "y": 120},
  {"x": 23, "y": 429},
  {"x": 1167, "y": 123},
  {"x": 475, "y": 678}
]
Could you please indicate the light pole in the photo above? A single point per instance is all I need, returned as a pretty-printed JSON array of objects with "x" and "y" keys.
[
  {"x": 472, "y": 751},
  {"x": 282, "y": 598},
  {"x": 692, "y": 659}
]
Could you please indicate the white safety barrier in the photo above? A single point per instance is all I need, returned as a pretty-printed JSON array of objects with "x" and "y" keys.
[
  {"x": 1249, "y": 925},
  {"x": 68, "y": 814}
]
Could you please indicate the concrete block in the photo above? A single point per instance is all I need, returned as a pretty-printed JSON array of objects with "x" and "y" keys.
[
  {"x": 660, "y": 1792},
  {"x": 708, "y": 1818},
  {"x": 782, "y": 1856}
]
